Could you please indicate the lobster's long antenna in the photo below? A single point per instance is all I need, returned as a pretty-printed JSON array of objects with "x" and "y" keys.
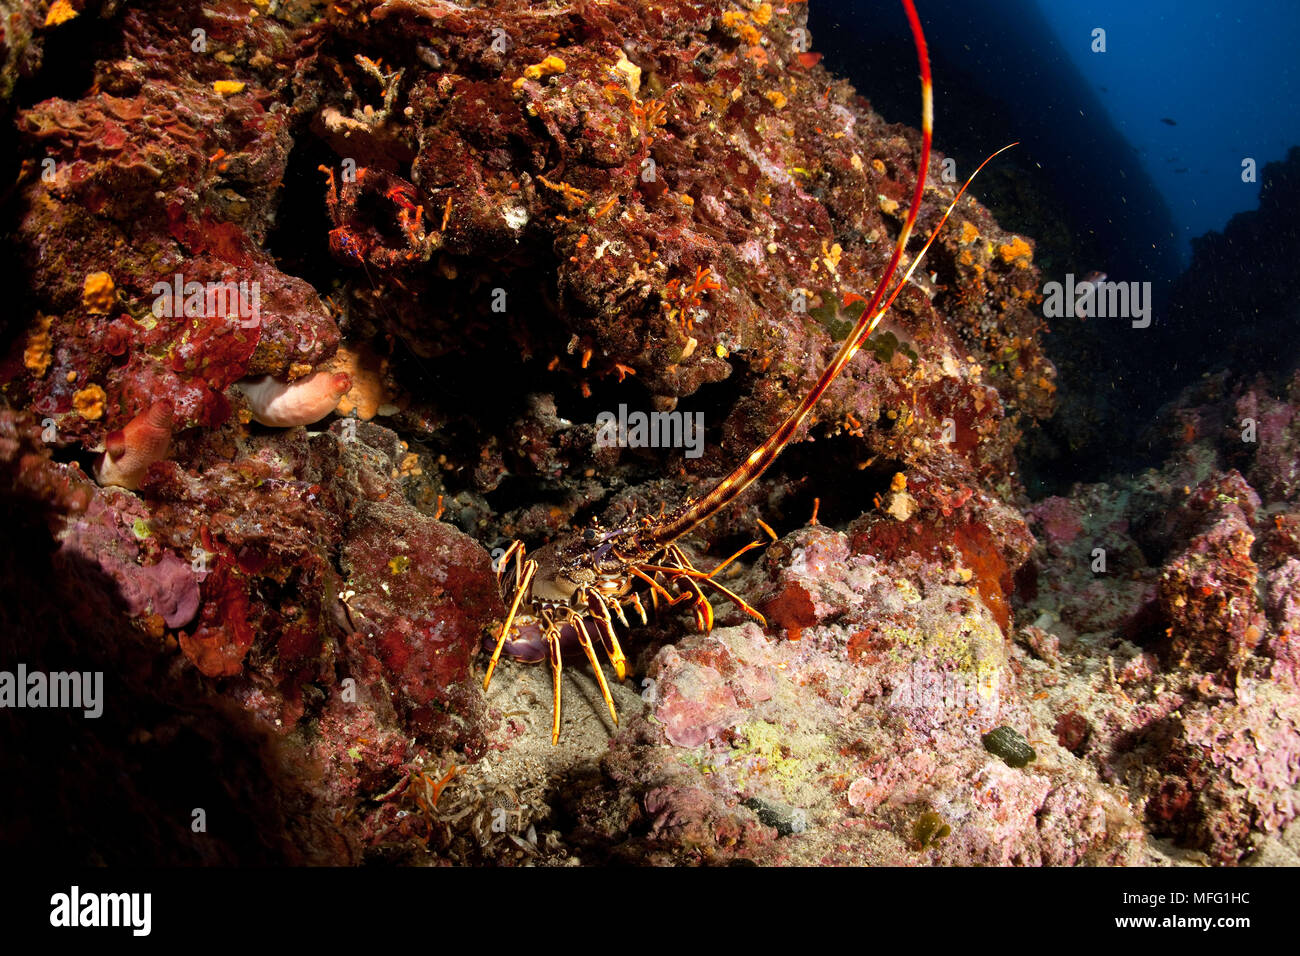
[{"x": 699, "y": 509}]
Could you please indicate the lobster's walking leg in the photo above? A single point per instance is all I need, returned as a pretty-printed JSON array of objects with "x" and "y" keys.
[
  {"x": 684, "y": 567},
  {"x": 524, "y": 571},
  {"x": 597, "y": 605},
  {"x": 655, "y": 587},
  {"x": 749, "y": 547},
  {"x": 618, "y": 610},
  {"x": 585, "y": 640},
  {"x": 735, "y": 599},
  {"x": 703, "y": 609},
  {"x": 514, "y": 552},
  {"x": 557, "y": 666}
]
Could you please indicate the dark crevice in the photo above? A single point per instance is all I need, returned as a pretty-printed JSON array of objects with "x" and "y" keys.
[
  {"x": 299, "y": 239},
  {"x": 828, "y": 469},
  {"x": 73, "y": 48}
]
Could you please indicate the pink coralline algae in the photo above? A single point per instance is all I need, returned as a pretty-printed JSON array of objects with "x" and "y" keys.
[
  {"x": 1208, "y": 593},
  {"x": 168, "y": 588},
  {"x": 696, "y": 704},
  {"x": 1201, "y": 720},
  {"x": 1284, "y": 612},
  {"x": 165, "y": 585},
  {"x": 1057, "y": 518}
]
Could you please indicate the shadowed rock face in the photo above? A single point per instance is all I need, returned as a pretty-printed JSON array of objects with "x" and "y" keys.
[
  {"x": 1236, "y": 306},
  {"x": 527, "y": 217}
]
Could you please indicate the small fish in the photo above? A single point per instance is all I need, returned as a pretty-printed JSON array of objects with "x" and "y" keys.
[
  {"x": 1181, "y": 170},
  {"x": 1167, "y": 121},
  {"x": 1086, "y": 302}
]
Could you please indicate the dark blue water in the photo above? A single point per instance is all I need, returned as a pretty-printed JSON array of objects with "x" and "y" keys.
[
  {"x": 1225, "y": 74},
  {"x": 1146, "y": 139},
  {"x": 1136, "y": 142}
]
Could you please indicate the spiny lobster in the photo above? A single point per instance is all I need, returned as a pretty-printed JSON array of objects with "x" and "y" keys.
[{"x": 571, "y": 590}]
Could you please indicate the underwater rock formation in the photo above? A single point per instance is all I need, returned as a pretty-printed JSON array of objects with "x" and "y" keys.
[
  {"x": 1240, "y": 291},
  {"x": 512, "y": 219},
  {"x": 1168, "y": 598}
]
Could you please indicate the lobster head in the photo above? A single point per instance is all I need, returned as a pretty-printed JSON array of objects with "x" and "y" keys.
[{"x": 595, "y": 558}]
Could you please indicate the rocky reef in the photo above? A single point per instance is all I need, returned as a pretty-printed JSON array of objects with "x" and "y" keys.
[
  {"x": 1176, "y": 587},
  {"x": 321, "y": 305}
]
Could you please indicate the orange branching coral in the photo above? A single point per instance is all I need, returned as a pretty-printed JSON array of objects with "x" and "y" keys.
[
  {"x": 653, "y": 114},
  {"x": 684, "y": 299},
  {"x": 573, "y": 194}
]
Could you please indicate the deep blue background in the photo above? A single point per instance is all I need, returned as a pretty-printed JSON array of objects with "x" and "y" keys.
[
  {"x": 1126, "y": 156},
  {"x": 1225, "y": 73}
]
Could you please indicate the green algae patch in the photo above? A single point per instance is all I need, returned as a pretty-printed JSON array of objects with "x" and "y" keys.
[
  {"x": 1010, "y": 745},
  {"x": 929, "y": 829}
]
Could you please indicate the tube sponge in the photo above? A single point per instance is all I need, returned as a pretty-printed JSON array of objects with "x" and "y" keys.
[
  {"x": 283, "y": 404},
  {"x": 132, "y": 449}
]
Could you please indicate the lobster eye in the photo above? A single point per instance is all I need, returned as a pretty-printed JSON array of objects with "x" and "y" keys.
[{"x": 590, "y": 534}]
